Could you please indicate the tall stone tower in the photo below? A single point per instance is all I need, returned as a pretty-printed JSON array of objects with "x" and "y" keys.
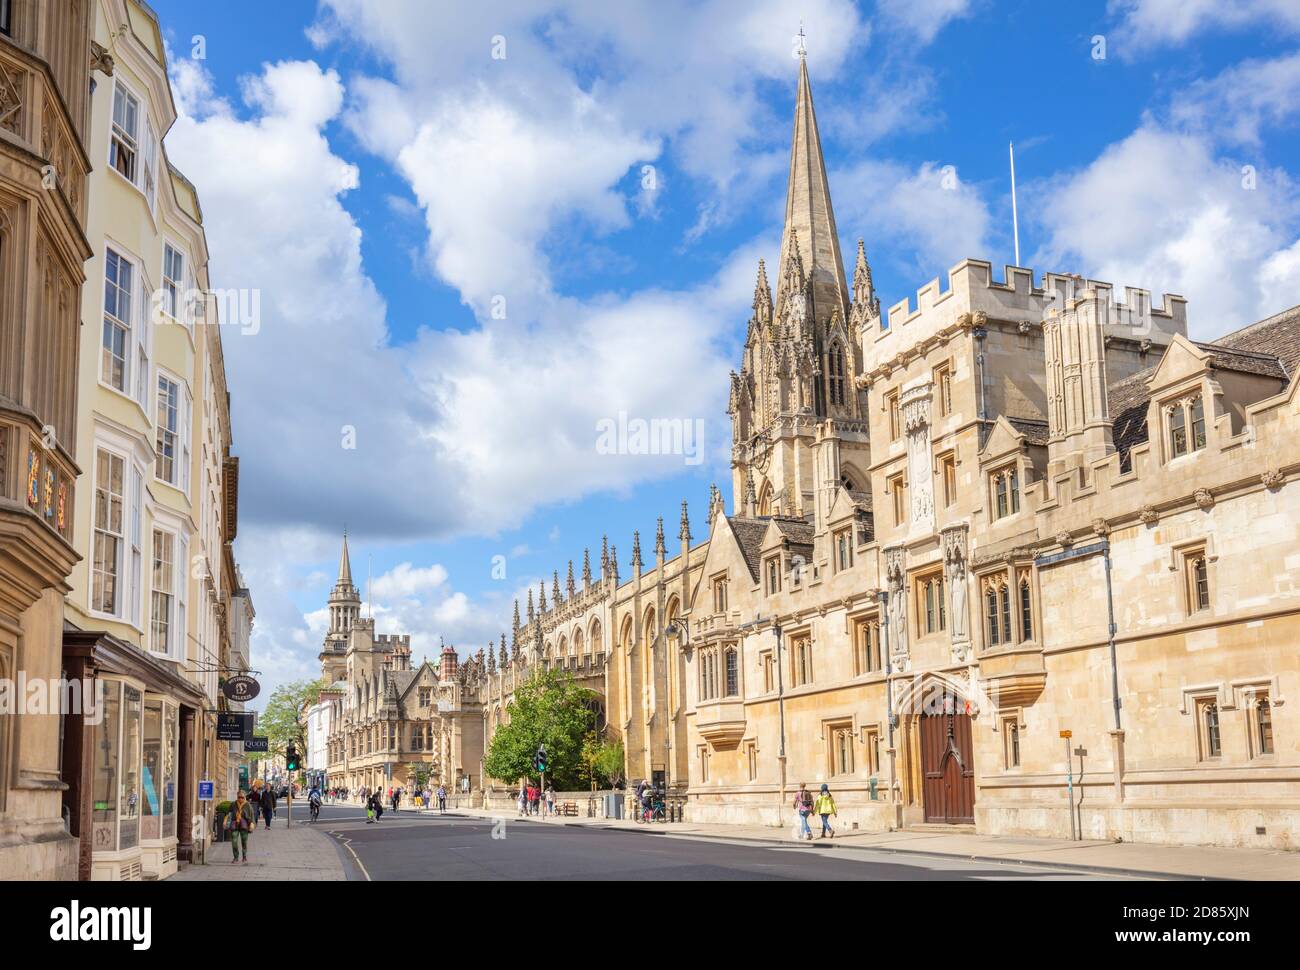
[
  {"x": 345, "y": 610},
  {"x": 797, "y": 417}
]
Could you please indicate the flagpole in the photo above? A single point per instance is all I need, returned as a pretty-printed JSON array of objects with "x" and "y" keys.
[{"x": 1015, "y": 220}]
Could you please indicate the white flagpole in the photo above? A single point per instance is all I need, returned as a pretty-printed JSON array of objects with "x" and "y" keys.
[{"x": 1015, "y": 220}]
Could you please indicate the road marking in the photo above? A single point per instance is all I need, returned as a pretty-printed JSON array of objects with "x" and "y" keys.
[{"x": 347, "y": 844}]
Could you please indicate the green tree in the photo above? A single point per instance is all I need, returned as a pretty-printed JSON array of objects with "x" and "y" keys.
[
  {"x": 547, "y": 709},
  {"x": 284, "y": 721},
  {"x": 603, "y": 760}
]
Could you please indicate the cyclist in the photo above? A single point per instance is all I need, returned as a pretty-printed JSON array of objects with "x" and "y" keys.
[{"x": 313, "y": 800}]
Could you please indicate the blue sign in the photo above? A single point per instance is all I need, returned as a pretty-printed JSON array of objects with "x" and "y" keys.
[
  {"x": 207, "y": 789},
  {"x": 1074, "y": 553}
]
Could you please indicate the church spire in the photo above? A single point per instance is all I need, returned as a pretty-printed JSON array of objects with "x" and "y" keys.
[
  {"x": 808, "y": 215},
  {"x": 345, "y": 563}
]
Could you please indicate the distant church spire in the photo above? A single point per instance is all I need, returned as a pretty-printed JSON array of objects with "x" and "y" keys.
[
  {"x": 345, "y": 563},
  {"x": 808, "y": 215}
]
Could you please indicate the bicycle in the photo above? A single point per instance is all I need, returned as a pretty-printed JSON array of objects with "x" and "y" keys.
[{"x": 315, "y": 810}]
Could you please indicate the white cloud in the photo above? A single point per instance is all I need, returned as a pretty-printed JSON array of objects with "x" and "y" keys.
[
  {"x": 406, "y": 580},
  {"x": 1235, "y": 105},
  {"x": 1162, "y": 211},
  {"x": 926, "y": 215},
  {"x": 924, "y": 18},
  {"x": 1148, "y": 23}
]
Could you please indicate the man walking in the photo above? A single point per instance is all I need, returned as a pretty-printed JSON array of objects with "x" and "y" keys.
[
  {"x": 268, "y": 805},
  {"x": 397, "y": 797},
  {"x": 442, "y": 799}
]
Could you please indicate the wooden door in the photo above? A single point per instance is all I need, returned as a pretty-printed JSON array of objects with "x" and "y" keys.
[{"x": 947, "y": 758}]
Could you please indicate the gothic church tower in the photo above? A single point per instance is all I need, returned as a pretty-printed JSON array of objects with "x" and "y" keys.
[
  {"x": 345, "y": 609},
  {"x": 799, "y": 424}
]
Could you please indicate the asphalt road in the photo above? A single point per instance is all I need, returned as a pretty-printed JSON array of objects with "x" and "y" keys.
[{"x": 407, "y": 846}]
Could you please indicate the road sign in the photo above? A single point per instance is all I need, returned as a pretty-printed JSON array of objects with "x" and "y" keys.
[
  {"x": 1067, "y": 734},
  {"x": 207, "y": 790}
]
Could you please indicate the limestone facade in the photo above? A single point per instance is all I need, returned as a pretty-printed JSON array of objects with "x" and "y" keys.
[
  {"x": 963, "y": 528},
  {"x": 45, "y": 74}
]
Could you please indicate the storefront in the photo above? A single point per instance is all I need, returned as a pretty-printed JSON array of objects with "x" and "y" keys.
[{"x": 125, "y": 763}]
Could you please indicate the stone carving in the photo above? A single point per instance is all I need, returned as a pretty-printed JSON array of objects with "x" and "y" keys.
[
  {"x": 1101, "y": 527},
  {"x": 915, "y": 407},
  {"x": 1272, "y": 479},
  {"x": 954, "y": 558},
  {"x": 1025, "y": 326},
  {"x": 1149, "y": 515},
  {"x": 1064, "y": 539},
  {"x": 1204, "y": 498},
  {"x": 897, "y": 606}
]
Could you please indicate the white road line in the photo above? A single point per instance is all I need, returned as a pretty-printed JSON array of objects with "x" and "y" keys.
[{"x": 347, "y": 844}]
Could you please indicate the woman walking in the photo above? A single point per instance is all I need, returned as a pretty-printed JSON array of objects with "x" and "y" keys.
[
  {"x": 803, "y": 806},
  {"x": 825, "y": 807},
  {"x": 239, "y": 821}
]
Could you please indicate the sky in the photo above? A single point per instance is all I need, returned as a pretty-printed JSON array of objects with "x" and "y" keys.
[{"x": 482, "y": 233}]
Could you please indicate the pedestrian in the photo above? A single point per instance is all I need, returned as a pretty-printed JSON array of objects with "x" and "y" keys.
[
  {"x": 523, "y": 800},
  {"x": 255, "y": 799},
  {"x": 803, "y": 806},
  {"x": 534, "y": 797},
  {"x": 268, "y": 805},
  {"x": 239, "y": 820},
  {"x": 550, "y": 799},
  {"x": 825, "y": 807},
  {"x": 442, "y": 799},
  {"x": 396, "y": 797}
]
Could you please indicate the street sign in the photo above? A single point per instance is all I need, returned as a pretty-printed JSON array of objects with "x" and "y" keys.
[
  {"x": 1067, "y": 734},
  {"x": 234, "y": 726},
  {"x": 257, "y": 744},
  {"x": 207, "y": 790},
  {"x": 241, "y": 688}
]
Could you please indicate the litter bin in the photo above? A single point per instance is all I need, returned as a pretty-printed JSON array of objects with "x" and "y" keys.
[{"x": 614, "y": 806}]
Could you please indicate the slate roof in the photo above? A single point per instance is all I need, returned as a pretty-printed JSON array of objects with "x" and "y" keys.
[
  {"x": 1033, "y": 429},
  {"x": 1128, "y": 401},
  {"x": 1278, "y": 335},
  {"x": 1245, "y": 362},
  {"x": 799, "y": 532},
  {"x": 749, "y": 536}
]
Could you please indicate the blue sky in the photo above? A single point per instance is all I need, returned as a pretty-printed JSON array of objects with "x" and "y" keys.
[{"x": 461, "y": 262}]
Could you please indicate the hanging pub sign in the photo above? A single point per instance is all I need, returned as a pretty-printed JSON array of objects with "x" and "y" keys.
[
  {"x": 234, "y": 726},
  {"x": 255, "y": 744},
  {"x": 241, "y": 688}
]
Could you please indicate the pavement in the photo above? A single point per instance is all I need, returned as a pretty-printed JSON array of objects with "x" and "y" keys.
[
  {"x": 1117, "y": 858},
  {"x": 474, "y": 844},
  {"x": 297, "y": 853}
]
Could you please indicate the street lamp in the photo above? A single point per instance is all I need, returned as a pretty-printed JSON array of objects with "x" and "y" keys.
[{"x": 882, "y": 597}]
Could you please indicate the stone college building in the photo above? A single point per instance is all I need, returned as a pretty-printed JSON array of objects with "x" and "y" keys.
[{"x": 1002, "y": 525}]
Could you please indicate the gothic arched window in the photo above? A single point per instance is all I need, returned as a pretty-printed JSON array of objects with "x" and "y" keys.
[{"x": 837, "y": 373}]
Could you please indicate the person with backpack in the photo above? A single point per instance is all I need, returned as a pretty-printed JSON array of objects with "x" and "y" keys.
[
  {"x": 255, "y": 800},
  {"x": 803, "y": 806},
  {"x": 825, "y": 807},
  {"x": 442, "y": 799}
]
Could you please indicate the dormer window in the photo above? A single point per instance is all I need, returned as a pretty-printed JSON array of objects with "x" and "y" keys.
[
  {"x": 1006, "y": 492},
  {"x": 843, "y": 550},
  {"x": 1186, "y": 423},
  {"x": 773, "y": 575},
  {"x": 720, "y": 594}
]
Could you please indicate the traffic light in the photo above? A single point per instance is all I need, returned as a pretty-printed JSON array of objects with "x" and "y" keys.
[
  {"x": 291, "y": 759},
  {"x": 540, "y": 760}
]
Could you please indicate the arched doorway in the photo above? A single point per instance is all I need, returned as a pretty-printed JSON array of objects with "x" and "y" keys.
[{"x": 947, "y": 761}]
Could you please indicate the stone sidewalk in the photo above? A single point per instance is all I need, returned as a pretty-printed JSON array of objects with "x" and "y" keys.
[
  {"x": 1129, "y": 858},
  {"x": 295, "y": 854}
]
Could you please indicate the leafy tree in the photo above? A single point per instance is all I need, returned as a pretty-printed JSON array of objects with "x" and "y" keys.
[
  {"x": 551, "y": 709},
  {"x": 603, "y": 760},
  {"x": 284, "y": 721}
]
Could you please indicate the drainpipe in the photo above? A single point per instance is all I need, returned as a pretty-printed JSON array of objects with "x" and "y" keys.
[
  {"x": 780, "y": 703},
  {"x": 1114, "y": 665},
  {"x": 883, "y": 597}
]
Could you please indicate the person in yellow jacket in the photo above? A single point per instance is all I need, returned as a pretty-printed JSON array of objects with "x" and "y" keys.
[{"x": 825, "y": 807}]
